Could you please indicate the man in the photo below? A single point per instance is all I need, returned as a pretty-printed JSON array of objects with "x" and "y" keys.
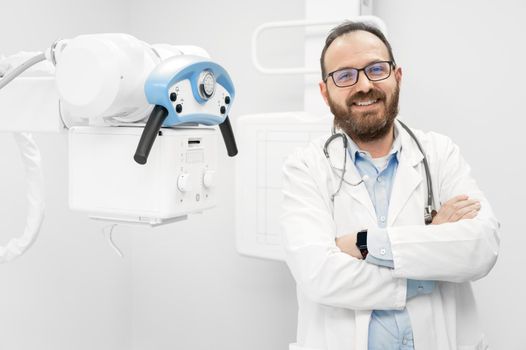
[{"x": 370, "y": 273}]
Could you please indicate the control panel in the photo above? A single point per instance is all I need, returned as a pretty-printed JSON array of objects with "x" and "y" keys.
[
  {"x": 189, "y": 110},
  {"x": 187, "y": 90}
]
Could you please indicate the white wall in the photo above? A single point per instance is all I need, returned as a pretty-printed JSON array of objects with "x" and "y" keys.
[
  {"x": 70, "y": 291},
  {"x": 463, "y": 76},
  {"x": 191, "y": 290}
]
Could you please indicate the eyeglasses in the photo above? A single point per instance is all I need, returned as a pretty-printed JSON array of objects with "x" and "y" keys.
[{"x": 349, "y": 76}]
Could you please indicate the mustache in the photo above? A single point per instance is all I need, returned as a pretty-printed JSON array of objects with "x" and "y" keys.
[{"x": 371, "y": 95}]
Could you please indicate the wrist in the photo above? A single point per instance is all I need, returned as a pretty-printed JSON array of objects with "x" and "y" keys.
[{"x": 347, "y": 244}]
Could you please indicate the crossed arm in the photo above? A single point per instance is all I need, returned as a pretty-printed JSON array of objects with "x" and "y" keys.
[
  {"x": 456, "y": 209},
  {"x": 330, "y": 272}
]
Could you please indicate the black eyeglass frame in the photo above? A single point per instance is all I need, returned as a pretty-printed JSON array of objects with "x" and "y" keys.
[{"x": 392, "y": 65}]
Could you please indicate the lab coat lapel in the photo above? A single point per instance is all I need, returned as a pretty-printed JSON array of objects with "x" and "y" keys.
[
  {"x": 359, "y": 193},
  {"x": 407, "y": 177}
]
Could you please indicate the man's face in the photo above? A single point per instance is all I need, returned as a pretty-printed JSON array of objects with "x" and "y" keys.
[{"x": 365, "y": 110}]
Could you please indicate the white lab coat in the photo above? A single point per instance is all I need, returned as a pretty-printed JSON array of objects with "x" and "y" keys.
[{"x": 336, "y": 292}]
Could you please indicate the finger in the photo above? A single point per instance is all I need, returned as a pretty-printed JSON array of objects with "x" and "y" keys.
[
  {"x": 471, "y": 215},
  {"x": 461, "y": 212},
  {"x": 452, "y": 205},
  {"x": 455, "y": 199},
  {"x": 464, "y": 203}
]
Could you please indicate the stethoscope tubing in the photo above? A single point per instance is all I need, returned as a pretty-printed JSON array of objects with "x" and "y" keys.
[{"x": 429, "y": 211}]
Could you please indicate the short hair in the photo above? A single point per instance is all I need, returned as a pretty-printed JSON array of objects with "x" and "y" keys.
[{"x": 348, "y": 27}]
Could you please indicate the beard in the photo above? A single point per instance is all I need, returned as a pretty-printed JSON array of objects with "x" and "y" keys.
[{"x": 366, "y": 126}]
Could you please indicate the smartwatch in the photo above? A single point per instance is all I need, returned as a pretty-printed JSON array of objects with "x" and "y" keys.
[{"x": 361, "y": 242}]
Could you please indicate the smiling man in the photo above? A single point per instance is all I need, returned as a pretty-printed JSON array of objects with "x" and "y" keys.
[{"x": 376, "y": 268}]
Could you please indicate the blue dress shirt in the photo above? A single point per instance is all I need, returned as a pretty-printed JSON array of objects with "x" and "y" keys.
[{"x": 388, "y": 329}]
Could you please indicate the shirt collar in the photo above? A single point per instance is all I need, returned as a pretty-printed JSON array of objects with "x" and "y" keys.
[{"x": 395, "y": 149}]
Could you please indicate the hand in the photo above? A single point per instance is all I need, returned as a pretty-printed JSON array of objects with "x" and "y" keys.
[
  {"x": 347, "y": 244},
  {"x": 457, "y": 208}
]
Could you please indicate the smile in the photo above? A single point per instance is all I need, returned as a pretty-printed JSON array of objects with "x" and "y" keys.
[{"x": 365, "y": 103}]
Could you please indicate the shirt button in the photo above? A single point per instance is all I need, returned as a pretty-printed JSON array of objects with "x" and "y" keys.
[
  {"x": 404, "y": 341},
  {"x": 380, "y": 179},
  {"x": 382, "y": 251},
  {"x": 382, "y": 218}
]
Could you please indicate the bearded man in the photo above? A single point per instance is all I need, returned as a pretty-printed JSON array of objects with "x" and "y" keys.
[{"x": 384, "y": 228}]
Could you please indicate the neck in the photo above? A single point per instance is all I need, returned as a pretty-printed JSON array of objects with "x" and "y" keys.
[{"x": 378, "y": 148}]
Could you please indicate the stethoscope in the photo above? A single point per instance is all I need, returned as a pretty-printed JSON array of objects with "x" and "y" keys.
[{"x": 429, "y": 209}]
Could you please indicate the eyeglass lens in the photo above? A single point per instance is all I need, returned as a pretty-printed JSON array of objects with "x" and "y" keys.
[{"x": 374, "y": 72}]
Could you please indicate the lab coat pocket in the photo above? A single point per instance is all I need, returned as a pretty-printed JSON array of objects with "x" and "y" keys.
[
  {"x": 295, "y": 346},
  {"x": 480, "y": 345}
]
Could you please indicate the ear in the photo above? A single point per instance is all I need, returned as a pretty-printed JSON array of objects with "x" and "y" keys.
[
  {"x": 324, "y": 92},
  {"x": 398, "y": 75}
]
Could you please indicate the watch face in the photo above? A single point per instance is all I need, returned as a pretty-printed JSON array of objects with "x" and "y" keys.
[{"x": 361, "y": 239}]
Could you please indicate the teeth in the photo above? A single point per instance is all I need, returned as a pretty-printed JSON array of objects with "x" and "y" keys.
[{"x": 365, "y": 103}]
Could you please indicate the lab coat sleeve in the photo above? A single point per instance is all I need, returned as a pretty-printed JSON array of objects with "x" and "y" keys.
[
  {"x": 378, "y": 243},
  {"x": 379, "y": 247},
  {"x": 322, "y": 271},
  {"x": 462, "y": 251}
]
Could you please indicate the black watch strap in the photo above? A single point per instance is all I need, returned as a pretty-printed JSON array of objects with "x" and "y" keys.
[{"x": 361, "y": 242}]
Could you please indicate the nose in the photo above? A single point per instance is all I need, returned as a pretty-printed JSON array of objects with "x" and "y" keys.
[{"x": 363, "y": 83}]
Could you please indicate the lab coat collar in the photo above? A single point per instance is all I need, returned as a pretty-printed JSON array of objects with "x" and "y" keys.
[
  {"x": 406, "y": 179},
  {"x": 409, "y": 149},
  {"x": 408, "y": 152}
]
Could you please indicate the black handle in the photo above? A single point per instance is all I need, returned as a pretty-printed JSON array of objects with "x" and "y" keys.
[
  {"x": 155, "y": 121},
  {"x": 228, "y": 137}
]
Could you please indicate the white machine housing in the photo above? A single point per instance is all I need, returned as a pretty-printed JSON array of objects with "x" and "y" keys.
[
  {"x": 96, "y": 94},
  {"x": 106, "y": 182},
  {"x": 94, "y": 85}
]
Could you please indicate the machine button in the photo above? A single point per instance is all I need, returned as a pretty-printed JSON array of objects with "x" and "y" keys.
[
  {"x": 179, "y": 108},
  {"x": 173, "y": 96},
  {"x": 222, "y": 109},
  {"x": 227, "y": 100},
  {"x": 183, "y": 183},
  {"x": 208, "y": 178}
]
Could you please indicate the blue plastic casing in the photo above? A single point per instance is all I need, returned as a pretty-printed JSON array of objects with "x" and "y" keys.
[{"x": 176, "y": 69}]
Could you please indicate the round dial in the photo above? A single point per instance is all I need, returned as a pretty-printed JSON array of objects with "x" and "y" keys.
[{"x": 207, "y": 84}]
